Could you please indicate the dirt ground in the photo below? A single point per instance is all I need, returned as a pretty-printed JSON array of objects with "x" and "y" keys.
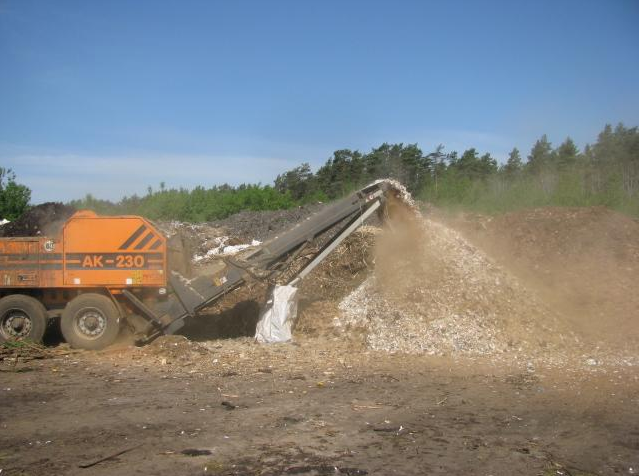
[
  {"x": 317, "y": 407},
  {"x": 328, "y": 403}
]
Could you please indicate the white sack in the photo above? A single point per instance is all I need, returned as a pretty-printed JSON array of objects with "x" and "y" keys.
[{"x": 278, "y": 317}]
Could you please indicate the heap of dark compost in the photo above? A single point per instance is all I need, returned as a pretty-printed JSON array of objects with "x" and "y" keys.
[{"x": 44, "y": 219}]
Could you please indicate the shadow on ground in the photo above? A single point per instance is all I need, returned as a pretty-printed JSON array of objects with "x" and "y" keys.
[{"x": 238, "y": 321}]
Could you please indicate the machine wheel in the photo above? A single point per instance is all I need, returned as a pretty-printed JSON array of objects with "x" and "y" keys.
[
  {"x": 90, "y": 321},
  {"x": 22, "y": 318}
]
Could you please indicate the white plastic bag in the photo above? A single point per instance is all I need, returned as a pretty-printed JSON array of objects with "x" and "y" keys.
[{"x": 278, "y": 317}]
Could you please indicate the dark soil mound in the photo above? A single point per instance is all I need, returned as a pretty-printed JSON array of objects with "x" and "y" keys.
[
  {"x": 44, "y": 219},
  {"x": 246, "y": 226}
]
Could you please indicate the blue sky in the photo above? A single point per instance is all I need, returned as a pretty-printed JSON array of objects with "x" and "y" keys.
[{"x": 110, "y": 97}]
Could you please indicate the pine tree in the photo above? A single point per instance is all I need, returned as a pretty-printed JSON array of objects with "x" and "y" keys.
[
  {"x": 298, "y": 181},
  {"x": 468, "y": 164},
  {"x": 514, "y": 165},
  {"x": 567, "y": 154},
  {"x": 487, "y": 165},
  {"x": 541, "y": 155}
]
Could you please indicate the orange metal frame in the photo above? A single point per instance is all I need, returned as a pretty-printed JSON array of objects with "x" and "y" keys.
[{"x": 91, "y": 251}]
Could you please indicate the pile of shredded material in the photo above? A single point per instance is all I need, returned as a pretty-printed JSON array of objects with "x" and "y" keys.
[
  {"x": 432, "y": 292},
  {"x": 418, "y": 286}
]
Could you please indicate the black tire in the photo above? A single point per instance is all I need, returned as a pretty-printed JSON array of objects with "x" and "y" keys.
[
  {"x": 22, "y": 317},
  {"x": 90, "y": 321}
]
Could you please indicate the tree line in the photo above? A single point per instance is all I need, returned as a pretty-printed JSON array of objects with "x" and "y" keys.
[
  {"x": 196, "y": 205},
  {"x": 603, "y": 173}
]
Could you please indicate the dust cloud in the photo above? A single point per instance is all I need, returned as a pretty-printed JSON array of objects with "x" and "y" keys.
[
  {"x": 583, "y": 262},
  {"x": 436, "y": 291}
]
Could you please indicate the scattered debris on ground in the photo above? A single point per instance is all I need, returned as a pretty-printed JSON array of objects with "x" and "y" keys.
[
  {"x": 174, "y": 349},
  {"x": 304, "y": 408},
  {"x": 23, "y": 351},
  {"x": 19, "y": 356}
]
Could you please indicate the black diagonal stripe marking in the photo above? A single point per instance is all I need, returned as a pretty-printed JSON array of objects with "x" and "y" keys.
[
  {"x": 145, "y": 240},
  {"x": 136, "y": 234},
  {"x": 156, "y": 245}
]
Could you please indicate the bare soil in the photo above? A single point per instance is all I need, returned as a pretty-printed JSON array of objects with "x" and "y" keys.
[{"x": 317, "y": 407}]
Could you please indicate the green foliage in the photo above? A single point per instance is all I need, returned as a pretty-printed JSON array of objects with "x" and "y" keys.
[
  {"x": 514, "y": 166},
  {"x": 14, "y": 197},
  {"x": 470, "y": 165},
  {"x": 342, "y": 173},
  {"x": 606, "y": 173},
  {"x": 299, "y": 182},
  {"x": 567, "y": 154},
  {"x": 197, "y": 205},
  {"x": 348, "y": 170},
  {"x": 541, "y": 156}
]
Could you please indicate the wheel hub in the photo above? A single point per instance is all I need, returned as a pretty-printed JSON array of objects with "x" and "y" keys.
[
  {"x": 16, "y": 324},
  {"x": 91, "y": 323}
]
